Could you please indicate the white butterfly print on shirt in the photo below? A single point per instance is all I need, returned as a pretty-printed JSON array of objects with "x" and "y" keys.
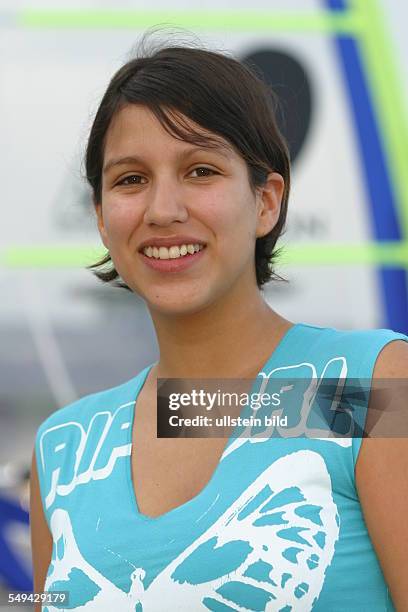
[{"x": 273, "y": 545}]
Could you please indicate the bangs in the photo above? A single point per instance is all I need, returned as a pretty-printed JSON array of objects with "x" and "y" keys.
[{"x": 182, "y": 127}]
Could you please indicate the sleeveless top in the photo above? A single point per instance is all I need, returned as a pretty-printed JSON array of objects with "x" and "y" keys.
[{"x": 278, "y": 527}]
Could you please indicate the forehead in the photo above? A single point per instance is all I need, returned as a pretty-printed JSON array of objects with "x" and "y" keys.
[{"x": 137, "y": 126}]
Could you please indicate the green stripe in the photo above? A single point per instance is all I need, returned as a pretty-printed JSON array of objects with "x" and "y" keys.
[
  {"x": 385, "y": 80},
  {"x": 217, "y": 20},
  {"x": 387, "y": 254},
  {"x": 49, "y": 256}
]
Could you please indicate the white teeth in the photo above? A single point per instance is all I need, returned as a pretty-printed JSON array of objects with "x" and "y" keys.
[
  {"x": 174, "y": 252},
  {"x": 163, "y": 253}
]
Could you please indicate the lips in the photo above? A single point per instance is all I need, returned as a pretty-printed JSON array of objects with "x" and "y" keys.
[{"x": 172, "y": 266}]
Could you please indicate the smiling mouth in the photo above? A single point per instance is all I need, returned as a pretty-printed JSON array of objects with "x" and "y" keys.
[{"x": 173, "y": 252}]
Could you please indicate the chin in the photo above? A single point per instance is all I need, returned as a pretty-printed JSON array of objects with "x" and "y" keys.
[
  {"x": 176, "y": 307},
  {"x": 179, "y": 301}
]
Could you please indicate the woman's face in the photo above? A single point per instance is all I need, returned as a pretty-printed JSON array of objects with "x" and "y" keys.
[{"x": 160, "y": 191}]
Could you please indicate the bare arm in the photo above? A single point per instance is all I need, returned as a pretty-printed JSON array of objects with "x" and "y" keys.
[
  {"x": 41, "y": 539},
  {"x": 382, "y": 484}
]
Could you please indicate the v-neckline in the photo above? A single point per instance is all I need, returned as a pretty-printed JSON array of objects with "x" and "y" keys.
[{"x": 142, "y": 377}]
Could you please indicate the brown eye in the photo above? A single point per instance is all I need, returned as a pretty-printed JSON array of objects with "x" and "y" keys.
[
  {"x": 132, "y": 179},
  {"x": 206, "y": 170}
]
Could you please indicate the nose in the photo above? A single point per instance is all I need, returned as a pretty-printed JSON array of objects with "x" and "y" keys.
[{"x": 165, "y": 203}]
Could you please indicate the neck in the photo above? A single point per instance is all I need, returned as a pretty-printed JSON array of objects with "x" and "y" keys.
[{"x": 212, "y": 342}]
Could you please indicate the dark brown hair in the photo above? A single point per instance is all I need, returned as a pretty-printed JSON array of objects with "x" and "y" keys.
[{"x": 219, "y": 93}]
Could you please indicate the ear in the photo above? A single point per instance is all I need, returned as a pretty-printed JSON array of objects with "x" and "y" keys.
[
  {"x": 101, "y": 224},
  {"x": 269, "y": 199}
]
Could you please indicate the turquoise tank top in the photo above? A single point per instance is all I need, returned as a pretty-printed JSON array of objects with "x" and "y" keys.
[{"x": 278, "y": 527}]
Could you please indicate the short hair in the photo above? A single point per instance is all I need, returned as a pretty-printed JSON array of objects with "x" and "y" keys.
[{"x": 219, "y": 93}]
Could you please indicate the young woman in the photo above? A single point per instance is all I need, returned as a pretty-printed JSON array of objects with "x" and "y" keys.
[{"x": 190, "y": 178}]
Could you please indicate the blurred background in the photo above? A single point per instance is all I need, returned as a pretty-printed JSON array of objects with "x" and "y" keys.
[{"x": 339, "y": 68}]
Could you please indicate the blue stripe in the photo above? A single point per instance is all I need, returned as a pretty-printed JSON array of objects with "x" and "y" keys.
[
  {"x": 395, "y": 298},
  {"x": 337, "y": 5},
  {"x": 381, "y": 196},
  {"x": 377, "y": 181}
]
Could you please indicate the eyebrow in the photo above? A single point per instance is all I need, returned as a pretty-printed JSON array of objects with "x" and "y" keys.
[{"x": 222, "y": 149}]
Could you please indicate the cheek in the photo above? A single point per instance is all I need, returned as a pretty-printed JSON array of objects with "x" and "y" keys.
[
  {"x": 227, "y": 210},
  {"x": 232, "y": 215},
  {"x": 120, "y": 216}
]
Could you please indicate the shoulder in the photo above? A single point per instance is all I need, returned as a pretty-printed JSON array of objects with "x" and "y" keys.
[
  {"x": 383, "y": 351},
  {"x": 81, "y": 411},
  {"x": 357, "y": 338},
  {"x": 392, "y": 361},
  {"x": 366, "y": 338},
  {"x": 362, "y": 349},
  {"x": 386, "y": 417}
]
